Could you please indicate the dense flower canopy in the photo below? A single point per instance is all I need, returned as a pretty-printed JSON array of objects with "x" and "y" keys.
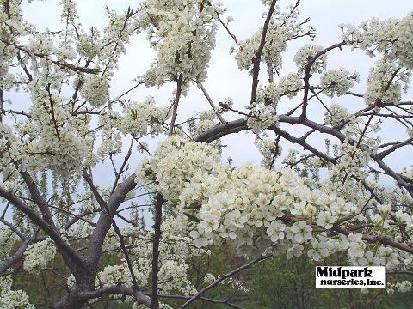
[{"x": 305, "y": 198}]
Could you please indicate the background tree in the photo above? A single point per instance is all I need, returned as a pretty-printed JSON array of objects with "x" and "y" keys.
[{"x": 336, "y": 197}]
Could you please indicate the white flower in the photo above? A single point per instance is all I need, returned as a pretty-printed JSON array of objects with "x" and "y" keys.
[
  {"x": 356, "y": 246},
  {"x": 209, "y": 278},
  {"x": 404, "y": 286},
  {"x": 295, "y": 251},
  {"x": 284, "y": 27},
  {"x": 401, "y": 287},
  {"x": 7, "y": 241},
  {"x": 392, "y": 37},
  {"x": 326, "y": 219},
  {"x": 183, "y": 36},
  {"x": 269, "y": 149},
  {"x": 173, "y": 277},
  {"x": 301, "y": 232},
  {"x": 276, "y": 231}
]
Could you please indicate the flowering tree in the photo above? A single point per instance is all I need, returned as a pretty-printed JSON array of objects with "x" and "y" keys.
[{"x": 341, "y": 196}]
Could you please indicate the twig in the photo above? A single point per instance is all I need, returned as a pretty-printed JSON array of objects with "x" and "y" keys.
[{"x": 223, "y": 277}]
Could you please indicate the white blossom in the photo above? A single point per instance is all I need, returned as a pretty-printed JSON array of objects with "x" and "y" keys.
[
  {"x": 290, "y": 84},
  {"x": 385, "y": 83},
  {"x": 261, "y": 117},
  {"x": 11, "y": 299},
  {"x": 337, "y": 82},
  {"x": 39, "y": 255},
  {"x": 336, "y": 115},
  {"x": 95, "y": 90},
  {"x": 306, "y": 54}
]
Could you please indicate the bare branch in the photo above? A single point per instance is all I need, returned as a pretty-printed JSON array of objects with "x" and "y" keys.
[
  {"x": 200, "y": 86},
  {"x": 176, "y": 103},
  {"x": 258, "y": 54},
  {"x": 226, "y": 276}
]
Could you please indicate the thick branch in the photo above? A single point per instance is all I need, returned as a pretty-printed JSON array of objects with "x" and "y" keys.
[
  {"x": 68, "y": 253},
  {"x": 10, "y": 261},
  {"x": 155, "y": 250},
  {"x": 38, "y": 198},
  {"x": 105, "y": 220}
]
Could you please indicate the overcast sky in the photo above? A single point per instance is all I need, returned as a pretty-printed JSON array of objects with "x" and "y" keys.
[{"x": 225, "y": 80}]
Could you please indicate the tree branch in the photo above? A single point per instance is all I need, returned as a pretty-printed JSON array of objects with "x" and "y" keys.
[
  {"x": 155, "y": 250},
  {"x": 223, "y": 277},
  {"x": 258, "y": 54},
  {"x": 68, "y": 253}
]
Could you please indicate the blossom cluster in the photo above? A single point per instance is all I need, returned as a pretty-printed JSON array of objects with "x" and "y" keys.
[
  {"x": 392, "y": 37},
  {"x": 260, "y": 209},
  {"x": 10, "y": 298},
  {"x": 174, "y": 276},
  {"x": 89, "y": 45},
  {"x": 269, "y": 149},
  {"x": 112, "y": 44},
  {"x": 268, "y": 95},
  {"x": 402, "y": 287},
  {"x": 52, "y": 135},
  {"x": 385, "y": 83},
  {"x": 7, "y": 241},
  {"x": 39, "y": 255},
  {"x": 170, "y": 176},
  {"x": 353, "y": 162},
  {"x": 175, "y": 248},
  {"x": 183, "y": 34},
  {"x": 290, "y": 84},
  {"x": 207, "y": 120},
  {"x": 261, "y": 117},
  {"x": 307, "y": 54},
  {"x": 95, "y": 90},
  {"x": 284, "y": 26},
  {"x": 55, "y": 132},
  {"x": 143, "y": 118},
  {"x": 337, "y": 82},
  {"x": 277, "y": 38},
  {"x": 336, "y": 115}
]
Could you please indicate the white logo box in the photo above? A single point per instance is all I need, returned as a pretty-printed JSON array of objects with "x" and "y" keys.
[{"x": 346, "y": 277}]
